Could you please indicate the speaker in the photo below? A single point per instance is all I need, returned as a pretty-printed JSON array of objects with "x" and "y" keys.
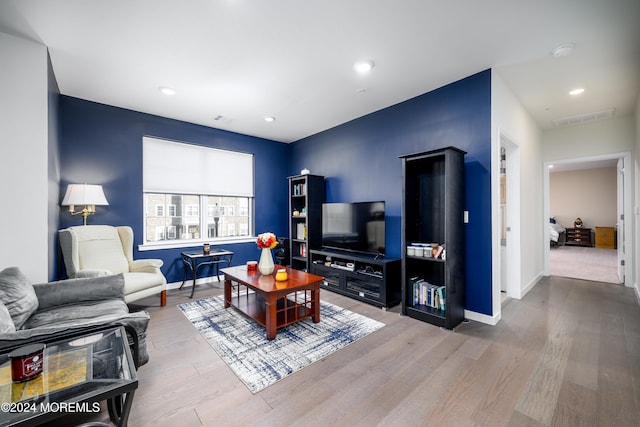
[{"x": 281, "y": 252}]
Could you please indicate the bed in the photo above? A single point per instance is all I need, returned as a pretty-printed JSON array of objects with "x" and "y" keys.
[{"x": 556, "y": 233}]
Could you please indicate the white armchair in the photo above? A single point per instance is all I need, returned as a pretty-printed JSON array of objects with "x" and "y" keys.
[{"x": 99, "y": 250}]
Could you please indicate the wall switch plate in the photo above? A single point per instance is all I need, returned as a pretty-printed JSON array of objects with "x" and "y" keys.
[{"x": 466, "y": 217}]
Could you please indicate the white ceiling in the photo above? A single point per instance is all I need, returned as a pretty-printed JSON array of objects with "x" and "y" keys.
[{"x": 247, "y": 59}]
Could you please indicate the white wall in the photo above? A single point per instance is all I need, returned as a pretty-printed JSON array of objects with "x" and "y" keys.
[
  {"x": 588, "y": 194},
  {"x": 23, "y": 142},
  {"x": 614, "y": 137},
  {"x": 510, "y": 119},
  {"x": 597, "y": 138}
]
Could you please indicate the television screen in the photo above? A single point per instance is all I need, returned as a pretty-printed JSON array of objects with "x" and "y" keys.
[{"x": 354, "y": 226}]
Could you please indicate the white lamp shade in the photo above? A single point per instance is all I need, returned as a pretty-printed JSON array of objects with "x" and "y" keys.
[{"x": 84, "y": 194}]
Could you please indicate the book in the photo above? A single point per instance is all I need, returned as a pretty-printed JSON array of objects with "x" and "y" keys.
[
  {"x": 301, "y": 231},
  {"x": 441, "y": 296}
]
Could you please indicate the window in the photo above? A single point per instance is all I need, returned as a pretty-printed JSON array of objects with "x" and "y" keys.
[
  {"x": 191, "y": 210},
  {"x": 191, "y": 193}
]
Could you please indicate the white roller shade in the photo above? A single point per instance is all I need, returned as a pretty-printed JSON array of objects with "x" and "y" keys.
[{"x": 178, "y": 168}]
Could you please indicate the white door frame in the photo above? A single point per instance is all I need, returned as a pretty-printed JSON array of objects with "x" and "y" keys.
[
  {"x": 513, "y": 288},
  {"x": 621, "y": 219},
  {"x": 513, "y": 267},
  {"x": 628, "y": 255}
]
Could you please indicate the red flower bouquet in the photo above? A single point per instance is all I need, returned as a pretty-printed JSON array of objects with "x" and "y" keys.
[{"x": 267, "y": 241}]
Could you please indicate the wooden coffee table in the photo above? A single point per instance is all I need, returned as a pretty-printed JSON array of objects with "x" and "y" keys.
[{"x": 273, "y": 304}]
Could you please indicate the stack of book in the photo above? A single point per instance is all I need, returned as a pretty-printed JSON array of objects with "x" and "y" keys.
[
  {"x": 300, "y": 189},
  {"x": 430, "y": 295},
  {"x": 301, "y": 231}
]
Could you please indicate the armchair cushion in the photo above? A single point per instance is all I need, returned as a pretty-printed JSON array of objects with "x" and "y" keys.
[
  {"x": 17, "y": 294},
  {"x": 99, "y": 247}
]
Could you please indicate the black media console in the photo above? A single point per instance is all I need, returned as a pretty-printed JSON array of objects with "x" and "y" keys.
[{"x": 374, "y": 280}]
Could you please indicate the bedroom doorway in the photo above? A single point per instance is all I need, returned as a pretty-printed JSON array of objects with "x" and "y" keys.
[{"x": 606, "y": 265}]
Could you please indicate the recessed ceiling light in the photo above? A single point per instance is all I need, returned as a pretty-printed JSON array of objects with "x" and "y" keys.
[
  {"x": 167, "y": 90},
  {"x": 363, "y": 66},
  {"x": 577, "y": 91},
  {"x": 562, "y": 50},
  {"x": 550, "y": 166},
  {"x": 269, "y": 119}
]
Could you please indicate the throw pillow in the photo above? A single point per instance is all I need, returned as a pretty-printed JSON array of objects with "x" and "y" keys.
[
  {"x": 6, "y": 323},
  {"x": 16, "y": 292}
]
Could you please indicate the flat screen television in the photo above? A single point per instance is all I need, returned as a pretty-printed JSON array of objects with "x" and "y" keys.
[{"x": 355, "y": 227}]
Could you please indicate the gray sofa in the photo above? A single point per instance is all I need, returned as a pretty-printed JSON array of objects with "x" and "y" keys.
[{"x": 29, "y": 311}]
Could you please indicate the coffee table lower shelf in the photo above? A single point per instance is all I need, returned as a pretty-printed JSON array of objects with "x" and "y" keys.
[{"x": 255, "y": 306}]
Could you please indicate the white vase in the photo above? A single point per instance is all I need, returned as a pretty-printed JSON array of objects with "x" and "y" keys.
[{"x": 265, "y": 265}]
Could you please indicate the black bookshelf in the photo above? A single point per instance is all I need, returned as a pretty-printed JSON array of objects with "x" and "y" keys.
[
  {"x": 306, "y": 195},
  {"x": 433, "y": 236}
]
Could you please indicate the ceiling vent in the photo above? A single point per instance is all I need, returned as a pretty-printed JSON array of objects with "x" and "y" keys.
[{"x": 582, "y": 118}]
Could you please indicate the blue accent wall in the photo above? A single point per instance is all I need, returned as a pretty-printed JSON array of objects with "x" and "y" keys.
[
  {"x": 101, "y": 144},
  {"x": 360, "y": 161}
]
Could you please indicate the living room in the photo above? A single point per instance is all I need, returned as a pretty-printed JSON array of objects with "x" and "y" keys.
[{"x": 71, "y": 140}]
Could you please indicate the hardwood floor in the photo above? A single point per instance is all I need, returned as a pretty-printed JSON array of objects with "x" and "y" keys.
[{"x": 567, "y": 354}]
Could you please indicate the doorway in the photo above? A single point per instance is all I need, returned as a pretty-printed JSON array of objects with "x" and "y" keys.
[
  {"x": 610, "y": 264},
  {"x": 509, "y": 219}
]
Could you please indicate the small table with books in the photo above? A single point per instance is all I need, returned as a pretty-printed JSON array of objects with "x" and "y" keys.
[{"x": 79, "y": 370}]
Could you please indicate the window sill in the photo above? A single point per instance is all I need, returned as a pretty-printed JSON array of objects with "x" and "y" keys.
[{"x": 194, "y": 243}]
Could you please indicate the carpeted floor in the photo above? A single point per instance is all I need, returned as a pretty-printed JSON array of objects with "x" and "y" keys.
[
  {"x": 258, "y": 362},
  {"x": 584, "y": 263}
]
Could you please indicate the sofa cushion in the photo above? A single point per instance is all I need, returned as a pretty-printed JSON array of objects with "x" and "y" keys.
[
  {"x": 6, "y": 323},
  {"x": 16, "y": 292},
  {"x": 79, "y": 314},
  {"x": 71, "y": 291}
]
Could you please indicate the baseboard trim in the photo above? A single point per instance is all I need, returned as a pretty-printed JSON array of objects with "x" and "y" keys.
[
  {"x": 531, "y": 285},
  {"x": 189, "y": 282},
  {"x": 482, "y": 318}
]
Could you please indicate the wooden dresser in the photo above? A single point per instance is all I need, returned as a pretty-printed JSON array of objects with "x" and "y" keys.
[
  {"x": 578, "y": 237},
  {"x": 605, "y": 237}
]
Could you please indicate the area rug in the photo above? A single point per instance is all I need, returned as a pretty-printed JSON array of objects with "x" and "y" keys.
[{"x": 258, "y": 362}]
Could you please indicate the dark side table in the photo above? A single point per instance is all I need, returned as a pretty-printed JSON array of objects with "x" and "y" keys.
[
  {"x": 81, "y": 368},
  {"x": 194, "y": 260}
]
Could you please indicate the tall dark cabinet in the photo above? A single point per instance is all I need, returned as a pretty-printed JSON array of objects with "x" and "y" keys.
[
  {"x": 433, "y": 236},
  {"x": 306, "y": 195}
]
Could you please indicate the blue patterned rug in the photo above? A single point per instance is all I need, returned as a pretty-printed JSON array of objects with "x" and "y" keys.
[{"x": 258, "y": 362}]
